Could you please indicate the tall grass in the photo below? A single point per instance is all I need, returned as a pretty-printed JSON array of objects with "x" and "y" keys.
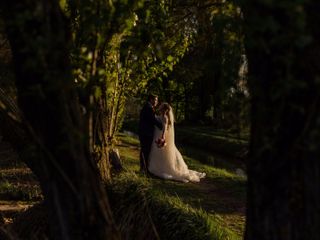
[{"x": 149, "y": 213}]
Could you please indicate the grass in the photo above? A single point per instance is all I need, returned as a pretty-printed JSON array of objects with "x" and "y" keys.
[
  {"x": 150, "y": 208},
  {"x": 212, "y": 159},
  {"x": 207, "y": 130},
  {"x": 218, "y": 200},
  {"x": 210, "y": 142},
  {"x": 206, "y": 138},
  {"x": 142, "y": 205},
  {"x": 19, "y": 188},
  {"x": 22, "y": 192},
  {"x": 18, "y": 184}
]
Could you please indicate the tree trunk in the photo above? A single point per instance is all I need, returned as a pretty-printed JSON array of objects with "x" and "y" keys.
[
  {"x": 217, "y": 103},
  {"x": 186, "y": 102},
  {"x": 76, "y": 201},
  {"x": 282, "y": 42},
  {"x": 217, "y": 57},
  {"x": 101, "y": 142}
]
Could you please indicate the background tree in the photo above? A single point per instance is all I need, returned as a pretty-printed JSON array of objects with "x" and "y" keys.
[
  {"x": 98, "y": 28},
  {"x": 206, "y": 84},
  {"x": 282, "y": 42}
]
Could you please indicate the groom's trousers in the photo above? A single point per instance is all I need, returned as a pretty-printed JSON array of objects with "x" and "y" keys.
[{"x": 145, "y": 144}]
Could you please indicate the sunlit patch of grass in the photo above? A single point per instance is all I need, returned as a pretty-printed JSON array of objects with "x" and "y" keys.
[
  {"x": 130, "y": 164},
  {"x": 222, "y": 178},
  {"x": 19, "y": 184},
  {"x": 24, "y": 192},
  {"x": 129, "y": 157},
  {"x": 172, "y": 218},
  {"x": 192, "y": 223},
  {"x": 128, "y": 140}
]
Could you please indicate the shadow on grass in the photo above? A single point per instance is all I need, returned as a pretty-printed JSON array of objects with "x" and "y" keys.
[{"x": 213, "y": 196}]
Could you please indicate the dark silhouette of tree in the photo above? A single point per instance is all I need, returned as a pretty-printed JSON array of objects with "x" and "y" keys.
[
  {"x": 75, "y": 198},
  {"x": 283, "y": 48}
]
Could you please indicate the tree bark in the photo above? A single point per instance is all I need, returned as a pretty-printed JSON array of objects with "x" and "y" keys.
[
  {"x": 282, "y": 43},
  {"x": 76, "y": 200}
]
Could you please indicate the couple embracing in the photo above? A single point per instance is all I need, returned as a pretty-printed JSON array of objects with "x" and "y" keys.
[{"x": 159, "y": 154}]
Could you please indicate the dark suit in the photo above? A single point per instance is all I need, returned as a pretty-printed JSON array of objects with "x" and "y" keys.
[{"x": 146, "y": 131}]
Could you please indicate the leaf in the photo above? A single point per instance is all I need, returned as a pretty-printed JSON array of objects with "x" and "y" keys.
[
  {"x": 97, "y": 92},
  {"x": 170, "y": 58}
]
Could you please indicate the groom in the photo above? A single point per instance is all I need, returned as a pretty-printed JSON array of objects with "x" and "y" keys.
[{"x": 147, "y": 123}]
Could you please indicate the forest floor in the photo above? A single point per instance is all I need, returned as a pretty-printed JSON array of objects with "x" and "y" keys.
[{"x": 221, "y": 193}]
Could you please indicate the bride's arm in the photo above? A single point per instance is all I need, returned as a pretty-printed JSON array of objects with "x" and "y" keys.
[{"x": 165, "y": 125}]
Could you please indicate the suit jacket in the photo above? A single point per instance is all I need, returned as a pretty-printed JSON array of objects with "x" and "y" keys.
[{"x": 148, "y": 120}]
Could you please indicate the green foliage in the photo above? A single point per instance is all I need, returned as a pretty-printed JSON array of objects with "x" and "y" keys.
[
  {"x": 189, "y": 54},
  {"x": 120, "y": 49},
  {"x": 202, "y": 83}
]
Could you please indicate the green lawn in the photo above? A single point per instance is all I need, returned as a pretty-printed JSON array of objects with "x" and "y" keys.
[
  {"x": 218, "y": 199},
  {"x": 212, "y": 141},
  {"x": 210, "y": 131},
  {"x": 207, "y": 139}
]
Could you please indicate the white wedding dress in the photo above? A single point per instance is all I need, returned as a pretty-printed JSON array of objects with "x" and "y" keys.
[{"x": 167, "y": 162}]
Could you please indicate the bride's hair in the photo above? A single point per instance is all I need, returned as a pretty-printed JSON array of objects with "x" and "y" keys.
[{"x": 166, "y": 109}]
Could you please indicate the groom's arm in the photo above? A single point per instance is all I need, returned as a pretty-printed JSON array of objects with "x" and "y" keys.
[
  {"x": 157, "y": 122},
  {"x": 153, "y": 119}
]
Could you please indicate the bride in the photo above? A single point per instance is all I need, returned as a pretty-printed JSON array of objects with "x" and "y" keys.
[{"x": 165, "y": 160}]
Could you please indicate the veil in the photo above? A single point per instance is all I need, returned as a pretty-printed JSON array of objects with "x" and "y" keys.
[
  {"x": 171, "y": 116},
  {"x": 171, "y": 126}
]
